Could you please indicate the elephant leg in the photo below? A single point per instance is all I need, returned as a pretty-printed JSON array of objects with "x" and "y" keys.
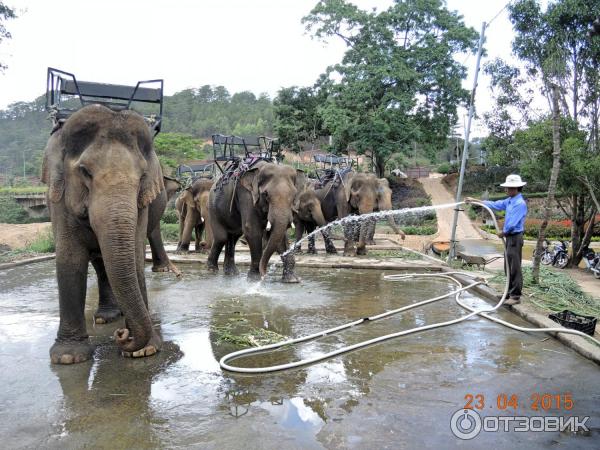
[
  {"x": 289, "y": 263},
  {"x": 299, "y": 232},
  {"x": 349, "y": 249},
  {"x": 329, "y": 247},
  {"x": 229, "y": 267},
  {"x": 312, "y": 249},
  {"x": 219, "y": 241},
  {"x": 108, "y": 310},
  {"x": 190, "y": 222},
  {"x": 255, "y": 242},
  {"x": 182, "y": 217},
  {"x": 361, "y": 247},
  {"x": 72, "y": 344},
  {"x": 160, "y": 259},
  {"x": 372, "y": 223}
]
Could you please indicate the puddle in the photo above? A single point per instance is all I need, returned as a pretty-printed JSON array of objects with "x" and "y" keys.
[{"x": 399, "y": 393}]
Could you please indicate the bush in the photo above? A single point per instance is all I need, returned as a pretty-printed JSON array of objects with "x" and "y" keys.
[
  {"x": 170, "y": 216},
  {"x": 11, "y": 211},
  {"x": 169, "y": 232},
  {"x": 420, "y": 231},
  {"x": 444, "y": 168}
]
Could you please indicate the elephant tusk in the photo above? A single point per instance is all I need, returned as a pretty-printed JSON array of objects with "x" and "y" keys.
[
  {"x": 201, "y": 219},
  {"x": 293, "y": 226},
  {"x": 268, "y": 228}
]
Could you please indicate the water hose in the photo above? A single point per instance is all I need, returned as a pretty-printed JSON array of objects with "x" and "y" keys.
[{"x": 457, "y": 293}]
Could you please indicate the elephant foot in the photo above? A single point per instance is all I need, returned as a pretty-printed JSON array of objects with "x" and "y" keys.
[
  {"x": 71, "y": 352},
  {"x": 254, "y": 275},
  {"x": 312, "y": 251},
  {"x": 212, "y": 268},
  {"x": 160, "y": 268},
  {"x": 152, "y": 347},
  {"x": 350, "y": 251},
  {"x": 107, "y": 315},
  {"x": 290, "y": 278},
  {"x": 361, "y": 251},
  {"x": 231, "y": 271},
  {"x": 331, "y": 251}
]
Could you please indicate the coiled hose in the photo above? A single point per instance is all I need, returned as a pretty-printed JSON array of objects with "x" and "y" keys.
[{"x": 484, "y": 312}]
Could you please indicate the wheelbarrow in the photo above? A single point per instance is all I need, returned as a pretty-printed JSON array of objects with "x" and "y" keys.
[{"x": 475, "y": 260}]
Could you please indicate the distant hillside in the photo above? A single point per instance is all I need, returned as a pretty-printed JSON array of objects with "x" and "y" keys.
[{"x": 190, "y": 116}]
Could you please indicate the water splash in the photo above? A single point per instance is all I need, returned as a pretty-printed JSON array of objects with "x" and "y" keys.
[{"x": 351, "y": 222}]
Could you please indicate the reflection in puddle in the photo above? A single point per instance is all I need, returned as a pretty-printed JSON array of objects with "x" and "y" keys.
[{"x": 294, "y": 415}]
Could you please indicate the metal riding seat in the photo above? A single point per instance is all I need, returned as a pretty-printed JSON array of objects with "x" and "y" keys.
[
  {"x": 229, "y": 150},
  {"x": 65, "y": 95}
]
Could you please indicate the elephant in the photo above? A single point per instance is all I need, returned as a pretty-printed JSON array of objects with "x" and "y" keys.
[
  {"x": 307, "y": 216},
  {"x": 102, "y": 175},
  {"x": 192, "y": 208},
  {"x": 384, "y": 203},
  {"x": 257, "y": 203},
  {"x": 350, "y": 193}
]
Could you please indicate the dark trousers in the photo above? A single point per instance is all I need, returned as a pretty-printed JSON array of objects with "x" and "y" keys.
[{"x": 514, "y": 255}]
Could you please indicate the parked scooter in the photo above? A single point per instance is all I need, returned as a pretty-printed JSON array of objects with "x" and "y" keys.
[
  {"x": 558, "y": 257},
  {"x": 592, "y": 261}
]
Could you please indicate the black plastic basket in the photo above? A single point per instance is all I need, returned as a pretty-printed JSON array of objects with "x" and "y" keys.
[{"x": 568, "y": 319}]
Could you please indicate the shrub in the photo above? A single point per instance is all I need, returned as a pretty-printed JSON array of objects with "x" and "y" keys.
[
  {"x": 11, "y": 211},
  {"x": 444, "y": 168},
  {"x": 169, "y": 232},
  {"x": 170, "y": 216}
]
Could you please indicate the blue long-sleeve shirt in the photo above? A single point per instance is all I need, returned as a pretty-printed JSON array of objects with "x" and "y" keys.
[{"x": 516, "y": 211}]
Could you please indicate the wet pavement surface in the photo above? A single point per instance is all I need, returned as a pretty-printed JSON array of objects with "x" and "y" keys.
[{"x": 398, "y": 394}]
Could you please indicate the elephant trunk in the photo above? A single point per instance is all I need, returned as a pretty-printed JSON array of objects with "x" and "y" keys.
[
  {"x": 279, "y": 223},
  {"x": 118, "y": 236},
  {"x": 318, "y": 217},
  {"x": 393, "y": 226}
]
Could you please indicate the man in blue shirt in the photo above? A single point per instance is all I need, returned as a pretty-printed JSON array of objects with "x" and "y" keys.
[{"x": 514, "y": 226}]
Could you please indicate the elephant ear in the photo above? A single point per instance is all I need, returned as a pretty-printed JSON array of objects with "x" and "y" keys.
[
  {"x": 152, "y": 183},
  {"x": 53, "y": 170},
  {"x": 249, "y": 181},
  {"x": 348, "y": 186}
]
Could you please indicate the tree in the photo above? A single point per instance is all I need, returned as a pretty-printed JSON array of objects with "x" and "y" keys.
[
  {"x": 552, "y": 49},
  {"x": 6, "y": 13},
  {"x": 398, "y": 81},
  {"x": 297, "y": 116}
]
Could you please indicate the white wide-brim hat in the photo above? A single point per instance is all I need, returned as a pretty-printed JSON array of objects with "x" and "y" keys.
[{"x": 513, "y": 181}]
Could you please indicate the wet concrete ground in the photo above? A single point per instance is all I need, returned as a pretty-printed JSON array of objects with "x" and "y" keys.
[{"x": 399, "y": 394}]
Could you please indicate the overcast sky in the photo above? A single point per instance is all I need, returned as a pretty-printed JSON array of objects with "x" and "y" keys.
[{"x": 255, "y": 45}]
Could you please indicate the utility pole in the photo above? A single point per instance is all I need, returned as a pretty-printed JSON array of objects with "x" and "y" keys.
[{"x": 465, "y": 154}]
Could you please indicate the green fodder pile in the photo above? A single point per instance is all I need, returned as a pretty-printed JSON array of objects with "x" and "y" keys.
[
  {"x": 252, "y": 337},
  {"x": 557, "y": 292}
]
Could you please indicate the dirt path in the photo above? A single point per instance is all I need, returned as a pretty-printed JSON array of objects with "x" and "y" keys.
[
  {"x": 439, "y": 196},
  {"x": 20, "y": 235}
]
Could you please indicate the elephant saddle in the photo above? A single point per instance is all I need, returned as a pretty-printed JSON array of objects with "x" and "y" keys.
[
  {"x": 237, "y": 168},
  {"x": 334, "y": 176}
]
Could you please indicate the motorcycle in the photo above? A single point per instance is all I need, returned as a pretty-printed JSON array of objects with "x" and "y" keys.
[
  {"x": 558, "y": 257},
  {"x": 592, "y": 261}
]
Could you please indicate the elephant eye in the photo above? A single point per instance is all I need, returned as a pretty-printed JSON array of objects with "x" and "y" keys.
[{"x": 85, "y": 171}]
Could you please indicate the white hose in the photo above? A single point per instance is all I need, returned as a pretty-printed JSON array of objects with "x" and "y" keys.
[{"x": 457, "y": 293}]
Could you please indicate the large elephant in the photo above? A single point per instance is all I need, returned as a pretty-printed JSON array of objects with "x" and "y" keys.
[
  {"x": 257, "y": 204},
  {"x": 192, "y": 208},
  {"x": 102, "y": 174}
]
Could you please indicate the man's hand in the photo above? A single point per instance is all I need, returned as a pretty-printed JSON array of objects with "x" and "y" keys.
[
  {"x": 501, "y": 234},
  {"x": 470, "y": 200}
]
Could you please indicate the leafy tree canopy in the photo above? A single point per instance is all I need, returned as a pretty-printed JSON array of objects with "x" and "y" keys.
[{"x": 398, "y": 81}]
